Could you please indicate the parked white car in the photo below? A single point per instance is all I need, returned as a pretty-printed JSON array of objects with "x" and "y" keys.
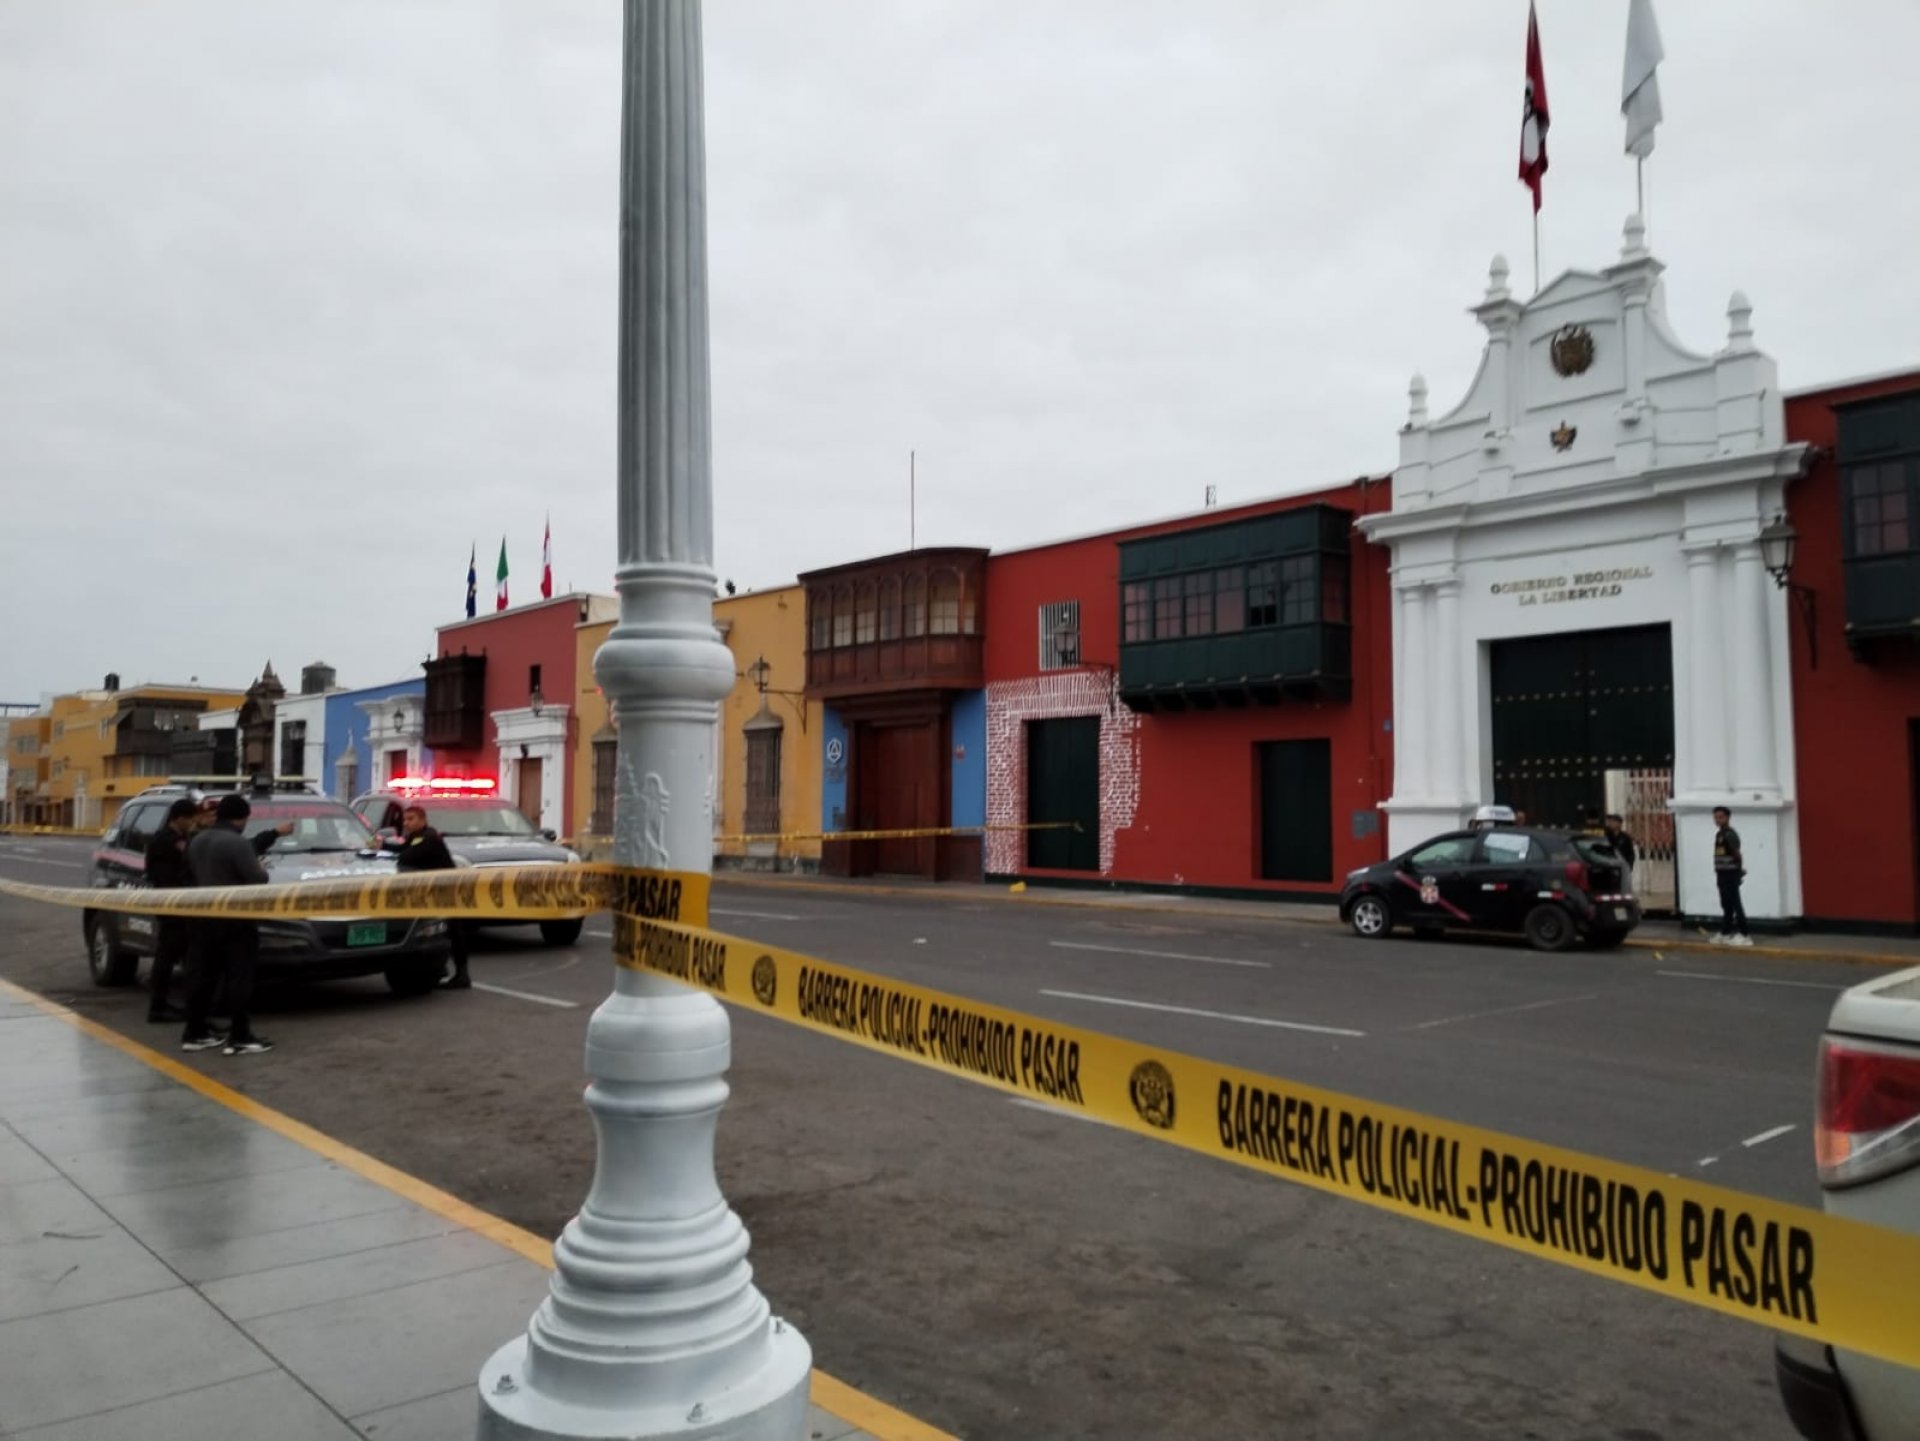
[{"x": 1867, "y": 1145}]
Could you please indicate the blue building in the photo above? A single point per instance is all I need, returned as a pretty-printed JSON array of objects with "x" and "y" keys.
[{"x": 374, "y": 734}]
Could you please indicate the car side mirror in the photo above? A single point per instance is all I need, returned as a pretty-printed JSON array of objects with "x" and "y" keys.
[{"x": 551, "y": 834}]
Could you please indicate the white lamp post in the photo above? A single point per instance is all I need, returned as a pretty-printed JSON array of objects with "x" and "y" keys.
[{"x": 653, "y": 1327}]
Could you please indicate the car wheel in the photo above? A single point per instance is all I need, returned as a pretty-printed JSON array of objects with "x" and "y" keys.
[
  {"x": 415, "y": 977},
  {"x": 110, "y": 962},
  {"x": 1370, "y": 918},
  {"x": 1549, "y": 928},
  {"x": 560, "y": 933},
  {"x": 1607, "y": 940}
]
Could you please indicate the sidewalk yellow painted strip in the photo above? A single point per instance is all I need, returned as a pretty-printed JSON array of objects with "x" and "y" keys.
[{"x": 852, "y": 1406}]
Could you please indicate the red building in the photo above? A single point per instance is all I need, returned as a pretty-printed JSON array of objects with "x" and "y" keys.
[
  {"x": 499, "y": 702},
  {"x": 1854, "y": 600},
  {"x": 1207, "y": 699}
]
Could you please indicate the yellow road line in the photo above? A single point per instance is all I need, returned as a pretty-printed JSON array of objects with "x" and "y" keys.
[{"x": 850, "y": 1405}]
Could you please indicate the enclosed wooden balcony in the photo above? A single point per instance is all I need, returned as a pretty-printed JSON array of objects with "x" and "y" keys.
[{"x": 912, "y": 621}]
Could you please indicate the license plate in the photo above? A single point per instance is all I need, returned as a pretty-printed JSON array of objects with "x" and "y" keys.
[
  {"x": 1620, "y": 913},
  {"x": 371, "y": 933},
  {"x": 140, "y": 925}
]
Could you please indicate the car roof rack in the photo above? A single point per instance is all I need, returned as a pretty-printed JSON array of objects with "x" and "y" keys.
[{"x": 261, "y": 784}]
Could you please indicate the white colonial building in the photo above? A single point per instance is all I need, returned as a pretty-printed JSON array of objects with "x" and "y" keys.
[{"x": 1582, "y": 609}]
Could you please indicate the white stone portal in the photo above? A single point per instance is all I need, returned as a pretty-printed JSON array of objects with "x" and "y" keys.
[
  {"x": 1599, "y": 475},
  {"x": 526, "y": 735}
]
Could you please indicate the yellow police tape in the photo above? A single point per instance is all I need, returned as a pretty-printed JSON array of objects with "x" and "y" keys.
[
  {"x": 1783, "y": 1266},
  {"x": 1787, "y": 1267},
  {"x": 531, "y": 893},
  {"x": 913, "y": 834}
]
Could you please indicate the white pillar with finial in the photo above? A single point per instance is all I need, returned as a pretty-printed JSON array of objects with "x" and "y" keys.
[{"x": 652, "y": 1327}]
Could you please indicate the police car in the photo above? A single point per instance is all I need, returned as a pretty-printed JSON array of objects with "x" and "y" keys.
[
  {"x": 1553, "y": 887},
  {"x": 480, "y": 828},
  {"x": 328, "y": 842}
]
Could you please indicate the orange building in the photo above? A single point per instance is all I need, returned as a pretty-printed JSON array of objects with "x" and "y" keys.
[{"x": 106, "y": 745}]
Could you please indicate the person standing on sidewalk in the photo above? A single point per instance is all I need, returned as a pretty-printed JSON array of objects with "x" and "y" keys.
[
  {"x": 1622, "y": 843},
  {"x": 167, "y": 870},
  {"x": 221, "y": 855},
  {"x": 1729, "y": 870},
  {"x": 421, "y": 848}
]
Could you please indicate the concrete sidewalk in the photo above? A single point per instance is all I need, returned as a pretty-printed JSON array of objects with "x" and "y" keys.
[
  {"x": 179, "y": 1262},
  {"x": 1653, "y": 934}
]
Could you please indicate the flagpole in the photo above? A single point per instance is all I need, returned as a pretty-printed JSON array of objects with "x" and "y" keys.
[{"x": 1536, "y": 252}]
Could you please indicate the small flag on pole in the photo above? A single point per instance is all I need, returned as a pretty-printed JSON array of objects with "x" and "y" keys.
[
  {"x": 1640, "y": 83},
  {"x": 546, "y": 562},
  {"x": 1533, "y": 115},
  {"x": 473, "y": 578},
  {"x": 500, "y": 578}
]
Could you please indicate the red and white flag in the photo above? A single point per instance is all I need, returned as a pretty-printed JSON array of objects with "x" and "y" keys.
[
  {"x": 1533, "y": 116},
  {"x": 546, "y": 562}
]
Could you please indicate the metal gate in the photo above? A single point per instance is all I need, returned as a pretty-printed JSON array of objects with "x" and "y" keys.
[{"x": 1567, "y": 709}]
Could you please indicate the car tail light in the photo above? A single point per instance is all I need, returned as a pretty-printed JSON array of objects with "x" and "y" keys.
[
  {"x": 1869, "y": 1111},
  {"x": 1577, "y": 876}
]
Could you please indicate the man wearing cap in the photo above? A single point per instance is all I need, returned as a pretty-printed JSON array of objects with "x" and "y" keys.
[
  {"x": 167, "y": 870},
  {"x": 221, "y": 855}
]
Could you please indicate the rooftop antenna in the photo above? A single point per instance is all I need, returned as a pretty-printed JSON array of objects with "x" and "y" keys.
[
  {"x": 1213, "y": 496},
  {"x": 913, "y": 504}
]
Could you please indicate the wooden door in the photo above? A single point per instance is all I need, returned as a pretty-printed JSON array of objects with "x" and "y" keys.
[{"x": 530, "y": 790}]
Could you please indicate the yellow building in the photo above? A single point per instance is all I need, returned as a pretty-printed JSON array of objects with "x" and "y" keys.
[
  {"x": 28, "y": 801},
  {"x": 104, "y": 746},
  {"x": 767, "y": 751}
]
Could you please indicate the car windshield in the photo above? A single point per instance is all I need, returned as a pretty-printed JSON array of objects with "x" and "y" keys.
[
  {"x": 1596, "y": 848},
  {"x": 482, "y": 820},
  {"x": 317, "y": 826}
]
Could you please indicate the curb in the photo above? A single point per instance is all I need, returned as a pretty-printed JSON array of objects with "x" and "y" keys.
[{"x": 1254, "y": 912}]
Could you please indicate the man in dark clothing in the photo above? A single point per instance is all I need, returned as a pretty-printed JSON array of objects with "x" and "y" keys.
[
  {"x": 167, "y": 870},
  {"x": 1622, "y": 843},
  {"x": 1729, "y": 870},
  {"x": 421, "y": 848},
  {"x": 222, "y": 856}
]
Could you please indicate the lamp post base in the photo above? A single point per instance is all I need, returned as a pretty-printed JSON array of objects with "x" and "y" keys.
[{"x": 768, "y": 1406}]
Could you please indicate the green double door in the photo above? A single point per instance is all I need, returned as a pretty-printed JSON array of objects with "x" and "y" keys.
[
  {"x": 1568, "y": 708},
  {"x": 1063, "y": 788}
]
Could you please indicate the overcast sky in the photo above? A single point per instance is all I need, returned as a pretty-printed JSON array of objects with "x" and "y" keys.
[{"x": 298, "y": 300}]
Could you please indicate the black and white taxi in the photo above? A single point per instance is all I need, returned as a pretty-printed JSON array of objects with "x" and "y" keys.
[{"x": 1553, "y": 887}]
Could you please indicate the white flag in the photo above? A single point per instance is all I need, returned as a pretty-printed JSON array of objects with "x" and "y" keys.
[{"x": 1640, "y": 85}]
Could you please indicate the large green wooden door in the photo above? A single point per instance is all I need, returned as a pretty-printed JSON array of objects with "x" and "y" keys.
[
  {"x": 1569, "y": 708},
  {"x": 1296, "y": 810},
  {"x": 1063, "y": 784}
]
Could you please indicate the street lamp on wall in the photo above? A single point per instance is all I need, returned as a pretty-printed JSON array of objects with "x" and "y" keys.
[
  {"x": 1778, "y": 543},
  {"x": 760, "y": 674}
]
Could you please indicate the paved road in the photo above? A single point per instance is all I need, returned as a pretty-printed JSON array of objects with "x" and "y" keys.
[{"x": 1006, "y": 1271}]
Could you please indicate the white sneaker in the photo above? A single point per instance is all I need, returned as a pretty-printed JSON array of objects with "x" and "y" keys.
[
  {"x": 1719, "y": 939},
  {"x": 1740, "y": 940}
]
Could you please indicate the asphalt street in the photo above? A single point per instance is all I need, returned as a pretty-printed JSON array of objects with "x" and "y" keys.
[{"x": 1004, "y": 1270}]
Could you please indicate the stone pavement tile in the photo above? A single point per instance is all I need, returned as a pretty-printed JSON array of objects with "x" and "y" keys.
[
  {"x": 252, "y": 1151},
  {"x": 239, "y": 1255},
  {"x": 288, "y": 1288},
  {"x": 432, "y": 1418},
  {"x": 119, "y": 1353},
  {"x": 268, "y": 1405},
  {"x": 151, "y": 1103},
  {"x": 20, "y": 1162},
  {"x": 46, "y": 1085},
  {"x": 30, "y": 1209},
  {"x": 370, "y": 1353},
  {"x": 54, "y": 1273},
  {"x": 184, "y": 1218},
  {"x": 78, "y": 1132}
]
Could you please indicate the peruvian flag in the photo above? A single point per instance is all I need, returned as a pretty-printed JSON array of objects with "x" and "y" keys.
[
  {"x": 500, "y": 578},
  {"x": 546, "y": 562},
  {"x": 1533, "y": 115}
]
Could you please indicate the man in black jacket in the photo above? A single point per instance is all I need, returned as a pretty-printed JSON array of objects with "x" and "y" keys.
[
  {"x": 167, "y": 870},
  {"x": 421, "y": 848},
  {"x": 221, "y": 855}
]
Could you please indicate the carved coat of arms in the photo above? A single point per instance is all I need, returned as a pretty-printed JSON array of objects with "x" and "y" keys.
[{"x": 1571, "y": 349}]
